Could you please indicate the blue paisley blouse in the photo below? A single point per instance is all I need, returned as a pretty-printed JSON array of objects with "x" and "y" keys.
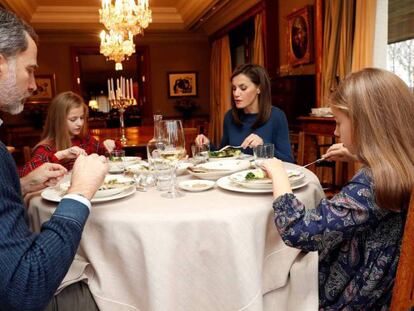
[{"x": 358, "y": 244}]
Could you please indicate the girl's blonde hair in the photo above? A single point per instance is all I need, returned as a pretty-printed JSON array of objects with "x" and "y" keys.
[
  {"x": 381, "y": 107},
  {"x": 55, "y": 131}
]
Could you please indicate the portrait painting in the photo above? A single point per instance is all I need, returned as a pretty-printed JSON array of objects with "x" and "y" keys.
[
  {"x": 46, "y": 89},
  {"x": 182, "y": 84},
  {"x": 300, "y": 36}
]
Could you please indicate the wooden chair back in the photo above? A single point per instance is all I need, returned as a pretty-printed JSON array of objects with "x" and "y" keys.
[
  {"x": 27, "y": 154},
  {"x": 403, "y": 292}
]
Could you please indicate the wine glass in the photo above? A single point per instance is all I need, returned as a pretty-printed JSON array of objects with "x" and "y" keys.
[{"x": 172, "y": 151}]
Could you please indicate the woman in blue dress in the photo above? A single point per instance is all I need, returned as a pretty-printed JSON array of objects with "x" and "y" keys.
[
  {"x": 358, "y": 232},
  {"x": 252, "y": 119}
]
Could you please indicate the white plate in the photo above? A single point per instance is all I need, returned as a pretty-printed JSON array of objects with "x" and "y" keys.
[
  {"x": 295, "y": 178},
  {"x": 223, "y": 168},
  {"x": 196, "y": 185},
  {"x": 242, "y": 156},
  {"x": 227, "y": 184},
  {"x": 101, "y": 193},
  {"x": 55, "y": 195}
]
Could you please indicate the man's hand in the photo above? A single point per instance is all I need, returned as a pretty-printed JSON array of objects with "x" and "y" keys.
[
  {"x": 70, "y": 153},
  {"x": 337, "y": 152},
  {"x": 44, "y": 176},
  {"x": 88, "y": 175}
]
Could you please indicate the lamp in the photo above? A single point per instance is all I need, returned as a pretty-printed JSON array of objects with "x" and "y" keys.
[
  {"x": 124, "y": 19},
  {"x": 93, "y": 104},
  {"x": 126, "y": 15},
  {"x": 116, "y": 47}
]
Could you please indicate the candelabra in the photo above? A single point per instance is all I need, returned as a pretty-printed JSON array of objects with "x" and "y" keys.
[{"x": 121, "y": 104}]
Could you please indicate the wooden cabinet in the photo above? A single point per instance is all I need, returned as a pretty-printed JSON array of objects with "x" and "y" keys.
[{"x": 295, "y": 95}]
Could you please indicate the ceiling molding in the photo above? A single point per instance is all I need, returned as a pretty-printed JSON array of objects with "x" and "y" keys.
[
  {"x": 227, "y": 14},
  {"x": 24, "y": 9}
]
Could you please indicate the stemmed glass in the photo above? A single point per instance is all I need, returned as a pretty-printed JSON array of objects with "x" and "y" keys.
[{"x": 172, "y": 151}]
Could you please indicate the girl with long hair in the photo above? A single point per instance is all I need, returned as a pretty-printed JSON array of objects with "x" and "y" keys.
[
  {"x": 65, "y": 135},
  {"x": 252, "y": 119},
  {"x": 358, "y": 232}
]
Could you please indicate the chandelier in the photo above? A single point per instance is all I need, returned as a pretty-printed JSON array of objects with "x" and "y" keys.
[
  {"x": 116, "y": 47},
  {"x": 126, "y": 15},
  {"x": 123, "y": 20}
]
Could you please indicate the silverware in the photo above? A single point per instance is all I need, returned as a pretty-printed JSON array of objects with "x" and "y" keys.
[
  {"x": 229, "y": 146},
  {"x": 314, "y": 162}
]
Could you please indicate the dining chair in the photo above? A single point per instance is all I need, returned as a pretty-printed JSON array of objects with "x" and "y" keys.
[{"x": 403, "y": 292}]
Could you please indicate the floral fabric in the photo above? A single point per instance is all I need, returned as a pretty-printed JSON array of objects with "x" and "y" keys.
[{"x": 358, "y": 244}]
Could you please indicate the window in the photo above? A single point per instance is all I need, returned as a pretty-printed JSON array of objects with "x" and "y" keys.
[
  {"x": 400, "y": 51},
  {"x": 400, "y": 60}
]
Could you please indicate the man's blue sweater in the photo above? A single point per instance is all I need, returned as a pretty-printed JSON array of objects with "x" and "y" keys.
[
  {"x": 33, "y": 265},
  {"x": 275, "y": 131}
]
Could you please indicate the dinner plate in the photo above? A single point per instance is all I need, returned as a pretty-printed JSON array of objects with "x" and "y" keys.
[
  {"x": 118, "y": 167},
  {"x": 295, "y": 178},
  {"x": 143, "y": 167},
  {"x": 216, "y": 169},
  {"x": 196, "y": 185},
  {"x": 227, "y": 184},
  {"x": 122, "y": 183},
  {"x": 54, "y": 194}
]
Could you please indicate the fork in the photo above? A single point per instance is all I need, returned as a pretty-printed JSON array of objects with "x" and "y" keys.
[
  {"x": 314, "y": 162},
  {"x": 229, "y": 146}
]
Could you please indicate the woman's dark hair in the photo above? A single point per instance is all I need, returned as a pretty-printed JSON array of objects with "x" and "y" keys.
[{"x": 258, "y": 75}]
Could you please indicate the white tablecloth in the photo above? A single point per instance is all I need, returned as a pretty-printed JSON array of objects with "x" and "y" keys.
[{"x": 212, "y": 250}]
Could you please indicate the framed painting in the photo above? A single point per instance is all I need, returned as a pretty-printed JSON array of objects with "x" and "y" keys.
[
  {"x": 46, "y": 89},
  {"x": 182, "y": 84},
  {"x": 300, "y": 36}
]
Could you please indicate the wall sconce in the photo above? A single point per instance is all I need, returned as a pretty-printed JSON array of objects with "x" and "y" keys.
[{"x": 93, "y": 104}]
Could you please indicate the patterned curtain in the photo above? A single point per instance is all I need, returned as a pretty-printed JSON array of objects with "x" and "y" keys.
[{"x": 220, "y": 87}]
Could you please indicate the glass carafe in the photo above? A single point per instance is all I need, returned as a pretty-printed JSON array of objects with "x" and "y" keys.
[{"x": 152, "y": 145}]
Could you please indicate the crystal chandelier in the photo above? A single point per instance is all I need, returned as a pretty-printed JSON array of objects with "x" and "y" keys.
[
  {"x": 126, "y": 15},
  {"x": 116, "y": 47}
]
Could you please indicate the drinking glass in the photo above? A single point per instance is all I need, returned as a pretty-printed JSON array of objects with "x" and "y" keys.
[
  {"x": 116, "y": 161},
  {"x": 172, "y": 151},
  {"x": 200, "y": 153},
  {"x": 262, "y": 152}
]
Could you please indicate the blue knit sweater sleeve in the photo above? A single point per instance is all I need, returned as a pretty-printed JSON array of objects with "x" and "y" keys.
[{"x": 33, "y": 265}]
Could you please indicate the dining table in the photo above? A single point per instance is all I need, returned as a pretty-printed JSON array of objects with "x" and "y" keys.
[
  {"x": 210, "y": 250},
  {"x": 138, "y": 137}
]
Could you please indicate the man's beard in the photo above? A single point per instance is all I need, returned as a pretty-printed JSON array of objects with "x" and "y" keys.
[{"x": 11, "y": 98}]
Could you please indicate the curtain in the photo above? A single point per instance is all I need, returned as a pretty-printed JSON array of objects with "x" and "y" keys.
[
  {"x": 220, "y": 87},
  {"x": 258, "y": 44},
  {"x": 337, "y": 45},
  {"x": 363, "y": 49}
]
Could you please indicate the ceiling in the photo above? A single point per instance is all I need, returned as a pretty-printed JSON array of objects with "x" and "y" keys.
[{"x": 82, "y": 17}]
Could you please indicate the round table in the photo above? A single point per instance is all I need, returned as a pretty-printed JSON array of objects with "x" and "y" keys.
[{"x": 212, "y": 250}]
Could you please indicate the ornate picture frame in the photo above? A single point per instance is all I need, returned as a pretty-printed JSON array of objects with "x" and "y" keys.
[
  {"x": 182, "y": 84},
  {"x": 46, "y": 89},
  {"x": 300, "y": 36}
]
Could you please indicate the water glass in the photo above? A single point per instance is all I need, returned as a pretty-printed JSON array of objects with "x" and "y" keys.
[
  {"x": 262, "y": 152},
  {"x": 200, "y": 153},
  {"x": 116, "y": 161},
  {"x": 163, "y": 174}
]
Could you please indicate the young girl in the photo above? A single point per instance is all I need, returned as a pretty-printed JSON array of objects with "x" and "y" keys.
[
  {"x": 65, "y": 135},
  {"x": 358, "y": 232},
  {"x": 252, "y": 120}
]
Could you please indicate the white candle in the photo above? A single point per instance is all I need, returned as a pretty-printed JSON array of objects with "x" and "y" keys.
[
  {"x": 127, "y": 89},
  {"x": 132, "y": 89},
  {"x": 112, "y": 88}
]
